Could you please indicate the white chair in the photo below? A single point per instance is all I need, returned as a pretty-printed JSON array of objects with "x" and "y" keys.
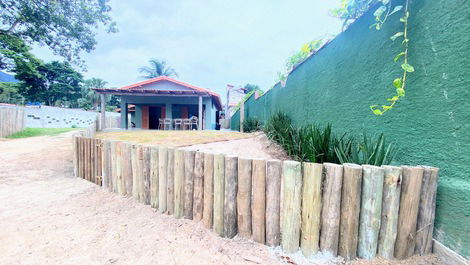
[
  {"x": 178, "y": 123},
  {"x": 167, "y": 123}
]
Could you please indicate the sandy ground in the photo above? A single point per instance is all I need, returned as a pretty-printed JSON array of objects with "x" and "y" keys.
[
  {"x": 49, "y": 217},
  {"x": 255, "y": 147}
]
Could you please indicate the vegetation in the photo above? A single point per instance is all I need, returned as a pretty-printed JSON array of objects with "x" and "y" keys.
[
  {"x": 67, "y": 27},
  {"x": 298, "y": 57},
  {"x": 252, "y": 125},
  {"x": 157, "y": 68},
  {"x": 31, "y": 132},
  {"x": 251, "y": 87},
  {"x": 319, "y": 144},
  {"x": 9, "y": 93}
]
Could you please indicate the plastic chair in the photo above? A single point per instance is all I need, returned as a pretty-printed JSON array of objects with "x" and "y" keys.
[
  {"x": 187, "y": 124},
  {"x": 167, "y": 122},
  {"x": 178, "y": 123},
  {"x": 161, "y": 125}
]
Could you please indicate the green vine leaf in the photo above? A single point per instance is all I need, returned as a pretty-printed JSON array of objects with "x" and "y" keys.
[
  {"x": 398, "y": 56},
  {"x": 398, "y": 34},
  {"x": 400, "y": 92},
  {"x": 396, "y": 9},
  {"x": 378, "y": 13},
  {"x": 408, "y": 67},
  {"x": 397, "y": 83}
]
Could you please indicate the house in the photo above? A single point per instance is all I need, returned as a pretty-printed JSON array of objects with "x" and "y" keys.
[{"x": 165, "y": 98}]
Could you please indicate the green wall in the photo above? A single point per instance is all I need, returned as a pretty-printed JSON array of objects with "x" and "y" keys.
[{"x": 431, "y": 124}]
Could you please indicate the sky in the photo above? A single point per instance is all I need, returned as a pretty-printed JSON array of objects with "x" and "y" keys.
[{"x": 210, "y": 43}]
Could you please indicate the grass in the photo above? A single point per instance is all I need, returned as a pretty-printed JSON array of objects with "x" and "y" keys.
[
  {"x": 172, "y": 138},
  {"x": 31, "y": 132}
]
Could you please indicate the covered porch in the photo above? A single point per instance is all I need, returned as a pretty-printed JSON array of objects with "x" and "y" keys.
[{"x": 166, "y": 103}]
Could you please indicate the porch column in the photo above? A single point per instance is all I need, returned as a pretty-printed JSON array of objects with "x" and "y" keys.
[
  {"x": 169, "y": 113},
  {"x": 124, "y": 114},
  {"x": 103, "y": 111},
  {"x": 199, "y": 120}
]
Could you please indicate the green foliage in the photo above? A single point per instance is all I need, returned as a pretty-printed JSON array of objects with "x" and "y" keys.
[
  {"x": 251, "y": 87},
  {"x": 381, "y": 15},
  {"x": 31, "y": 132},
  {"x": 252, "y": 125},
  {"x": 15, "y": 54},
  {"x": 370, "y": 151},
  {"x": 319, "y": 144},
  {"x": 66, "y": 27},
  {"x": 298, "y": 57},
  {"x": 55, "y": 82},
  {"x": 89, "y": 98},
  {"x": 157, "y": 68},
  {"x": 9, "y": 94},
  {"x": 350, "y": 10}
]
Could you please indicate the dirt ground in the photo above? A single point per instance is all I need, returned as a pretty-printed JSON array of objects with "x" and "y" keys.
[
  {"x": 257, "y": 146},
  {"x": 49, "y": 217}
]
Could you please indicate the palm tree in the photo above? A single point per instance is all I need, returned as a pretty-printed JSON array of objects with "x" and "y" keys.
[
  {"x": 157, "y": 68},
  {"x": 89, "y": 96}
]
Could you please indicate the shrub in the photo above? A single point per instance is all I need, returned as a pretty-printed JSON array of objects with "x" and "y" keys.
[
  {"x": 319, "y": 144},
  {"x": 252, "y": 125}
]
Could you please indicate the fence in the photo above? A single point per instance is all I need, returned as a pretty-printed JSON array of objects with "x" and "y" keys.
[
  {"x": 11, "y": 120},
  {"x": 347, "y": 210}
]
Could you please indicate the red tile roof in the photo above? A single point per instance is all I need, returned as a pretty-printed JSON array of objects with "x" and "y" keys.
[{"x": 137, "y": 89}]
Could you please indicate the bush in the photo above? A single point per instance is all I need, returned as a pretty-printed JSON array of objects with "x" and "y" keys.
[
  {"x": 319, "y": 144},
  {"x": 252, "y": 125}
]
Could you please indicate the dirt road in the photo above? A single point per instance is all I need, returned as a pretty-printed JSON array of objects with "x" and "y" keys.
[{"x": 49, "y": 217}]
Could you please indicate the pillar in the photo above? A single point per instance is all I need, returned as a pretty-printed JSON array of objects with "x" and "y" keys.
[
  {"x": 199, "y": 126},
  {"x": 124, "y": 122},
  {"x": 103, "y": 111}
]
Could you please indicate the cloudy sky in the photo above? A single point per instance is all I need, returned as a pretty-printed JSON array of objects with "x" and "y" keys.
[{"x": 210, "y": 43}]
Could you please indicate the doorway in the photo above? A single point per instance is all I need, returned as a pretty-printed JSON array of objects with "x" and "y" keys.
[{"x": 154, "y": 115}]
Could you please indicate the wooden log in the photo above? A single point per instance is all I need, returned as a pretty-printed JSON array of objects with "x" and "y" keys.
[
  {"x": 127, "y": 168},
  {"x": 80, "y": 157},
  {"x": 244, "y": 197},
  {"x": 350, "y": 209},
  {"x": 170, "y": 181},
  {"x": 259, "y": 200},
  {"x": 146, "y": 174},
  {"x": 198, "y": 203},
  {"x": 179, "y": 183},
  {"x": 75, "y": 154},
  {"x": 119, "y": 162},
  {"x": 154, "y": 177},
  {"x": 426, "y": 211},
  {"x": 92, "y": 160},
  {"x": 219, "y": 196},
  {"x": 188, "y": 184},
  {"x": 114, "y": 166},
  {"x": 390, "y": 206},
  {"x": 371, "y": 210},
  {"x": 273, "y": 202},
  {"x": 135, "y": 171},
  {"x": 230, "y": 201},
  {"x": 412, "y": 178},
  {"x": 162, "y": 178},
  {"x": 85, "y": 158},
  {"x": 311, "y": 208},
  {"x": 106, "y": 162},
  {"x": 207, "y": 213},
  {"x": 99, "y": 162},
  {"x": 331, "y": 208},
  {"x": 140, "y": 167},
  {"x": 291, "y": 207}
]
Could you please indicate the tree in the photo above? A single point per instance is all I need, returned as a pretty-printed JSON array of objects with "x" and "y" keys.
[
  {"x": 9, "y": 93},
  {"x": 157, "y": 68},
  {"x": 89, "y": 98},
  {"x": 14, "y": 53},
  {"x": 56, "y": 82},
  {"x": 350, "y": 10},
  {"x": 67, "y": 27},
  {"x": 251, "y": 87}
]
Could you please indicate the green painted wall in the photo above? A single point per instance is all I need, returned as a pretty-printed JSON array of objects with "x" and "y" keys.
[{"x": 431, "y": 124}]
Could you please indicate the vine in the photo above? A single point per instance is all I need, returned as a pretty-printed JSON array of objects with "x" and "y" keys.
[{"x": 381, "y": 15}]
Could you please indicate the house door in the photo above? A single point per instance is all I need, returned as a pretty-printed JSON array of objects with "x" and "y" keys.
[{"x": 145, "y": 117}]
